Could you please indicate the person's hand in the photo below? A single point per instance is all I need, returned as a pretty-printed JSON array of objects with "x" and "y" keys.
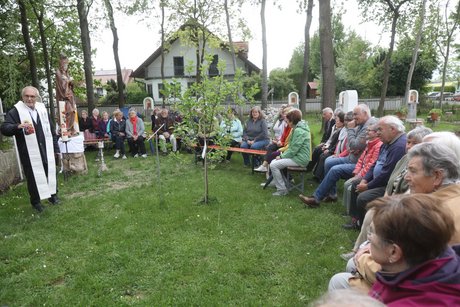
[
  {"x": 351, "y": 124},
  {"x": 362, "y": 186},
  {"x": 278, "y": 157},
  {"x": 364, "y": 250},
  {"x": 326, "y": 151},
  {"x": 122, "y": 134},
  {"x": 135, "y": 137},
  {"x": 28, "y": 127}
]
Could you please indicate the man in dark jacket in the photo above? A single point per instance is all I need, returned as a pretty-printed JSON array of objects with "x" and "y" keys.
[
  {"x": 329, "y": 122},
  {"x": 36, "y": 140},
  {"x": 165, "y": 126}
]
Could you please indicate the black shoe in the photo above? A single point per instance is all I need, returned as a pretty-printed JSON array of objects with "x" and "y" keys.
[
  {"x": 54, "y": 200},
  {"x": 38, "y": 206}
]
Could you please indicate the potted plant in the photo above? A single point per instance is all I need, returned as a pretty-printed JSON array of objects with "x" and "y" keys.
[
  {"x": 401, "y": 113},
  {"x": 435, "y": 114}
]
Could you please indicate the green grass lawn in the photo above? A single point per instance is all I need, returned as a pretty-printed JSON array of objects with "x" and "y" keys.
[{"x": 130, "y": 237}]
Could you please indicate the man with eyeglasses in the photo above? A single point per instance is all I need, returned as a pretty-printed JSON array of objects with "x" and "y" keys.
[{"x": 36, "y": 140}]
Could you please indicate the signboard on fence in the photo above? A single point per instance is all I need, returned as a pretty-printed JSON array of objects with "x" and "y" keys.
[
  {"x": 412, "y": 101},
  {"x": 293, "y": 99},
  {"x": 148, "y": 103},
  {"x": 348, "y": 100}
]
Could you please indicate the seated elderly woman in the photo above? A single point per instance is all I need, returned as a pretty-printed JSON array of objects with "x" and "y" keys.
[
  {"x": 255, "y": 133},
  {"x": 232, "y": 127},
  {"x": 409, "y": 239},
  {"x": 432, "y": 168},
  {"x": 297, "y": 154},
  {"x": 118, "y": 132},
  {"x": 337, "y": 144},
  {"x": 275, "y": 148},
  {"x": 135, "y": 134},
  {"x": 365, "y": 162}
]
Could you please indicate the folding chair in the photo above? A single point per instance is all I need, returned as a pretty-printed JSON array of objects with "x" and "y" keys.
[{"x": 290, "y": 171}]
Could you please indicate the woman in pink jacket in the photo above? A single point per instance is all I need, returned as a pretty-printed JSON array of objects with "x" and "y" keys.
[{"x": 365, "y": 162}]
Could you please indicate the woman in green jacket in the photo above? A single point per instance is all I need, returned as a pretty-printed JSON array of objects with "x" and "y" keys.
[{"x": 297, "y": 154}]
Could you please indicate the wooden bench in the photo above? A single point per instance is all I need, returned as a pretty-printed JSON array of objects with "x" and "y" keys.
[
  {"x": 252, "y": 152},
  {"x": 107, "y": 141}
]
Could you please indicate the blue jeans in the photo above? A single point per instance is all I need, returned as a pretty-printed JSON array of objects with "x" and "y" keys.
[
  {"x": 259, "y": 145},
  {"x": 331, "y": 161},
  {"x": 329, "y": 184}
]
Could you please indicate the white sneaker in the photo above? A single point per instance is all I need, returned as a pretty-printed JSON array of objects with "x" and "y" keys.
[
  {"x": 124, "y": 157},
  {"x": 144, "y": 156},
  {"x": 117, "y": 154},
  {"x": 136, "y": 156},
  {"x": 261, "y": 169}
]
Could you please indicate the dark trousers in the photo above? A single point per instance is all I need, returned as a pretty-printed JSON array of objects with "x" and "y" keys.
[
  {"x": 359, "y": 201},
  {"x": 137, "y": 147},
  {"x": 233, "y": 143},
  {"x": 314, "y": 158},
  {"x": 319, "y": 169},
  {"x": 119, "y": 143},
  {"x": 32, "y": 187}
]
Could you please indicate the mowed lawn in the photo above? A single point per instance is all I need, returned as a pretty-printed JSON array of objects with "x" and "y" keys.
[{"x": 133, "y": 237}]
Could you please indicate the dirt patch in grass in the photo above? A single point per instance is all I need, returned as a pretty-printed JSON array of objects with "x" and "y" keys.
[{"x": 112, "y": 185}]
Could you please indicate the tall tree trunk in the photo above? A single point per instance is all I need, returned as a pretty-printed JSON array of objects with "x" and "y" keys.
[
  {"x": 444, "y": 73},
  {"x": 264, "y": 57},
  {"x": 162, "y": 68},
  {"x": 415, "y": 51},
  {"x": 229, "y": 31},
  {"x": 39, "y": 14},
  {"x": 450, "y": 33},
  {"x": 86, "y": 47},
  {"x": 41, "y": 27},
  {"x": 387, "y": 63},
  {"x": 306, "y": 59},
  {"x": 120, "y": 83},
  {"x": 386, "y": 66},
  {"x": 327, "y": 55},
  {"x": 28, "y": 44}
]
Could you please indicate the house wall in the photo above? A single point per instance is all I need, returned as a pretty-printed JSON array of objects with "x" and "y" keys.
[{"x": 153, "y": 73}]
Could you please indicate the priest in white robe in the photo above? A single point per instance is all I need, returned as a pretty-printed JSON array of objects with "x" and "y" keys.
[{"x": 36, "y": 139}]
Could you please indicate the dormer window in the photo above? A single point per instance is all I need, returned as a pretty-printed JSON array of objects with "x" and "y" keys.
[
  {"x": 213, "y": 70},
  {"x": 178, "y": 66}
]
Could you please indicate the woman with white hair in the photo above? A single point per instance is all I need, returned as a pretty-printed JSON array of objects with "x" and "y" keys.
[
  {"x": 135, "y": 134},
  {"x": 434, "y": 168}
]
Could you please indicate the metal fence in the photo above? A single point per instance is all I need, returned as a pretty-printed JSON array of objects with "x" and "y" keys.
[{"x": 313, "y": 105}]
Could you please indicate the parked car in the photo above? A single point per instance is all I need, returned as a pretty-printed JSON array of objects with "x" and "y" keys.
[
  {"x": 447, "y": 96},
  {"x": 456, "y": 96},
  {"x": 433, "y": 95}
]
